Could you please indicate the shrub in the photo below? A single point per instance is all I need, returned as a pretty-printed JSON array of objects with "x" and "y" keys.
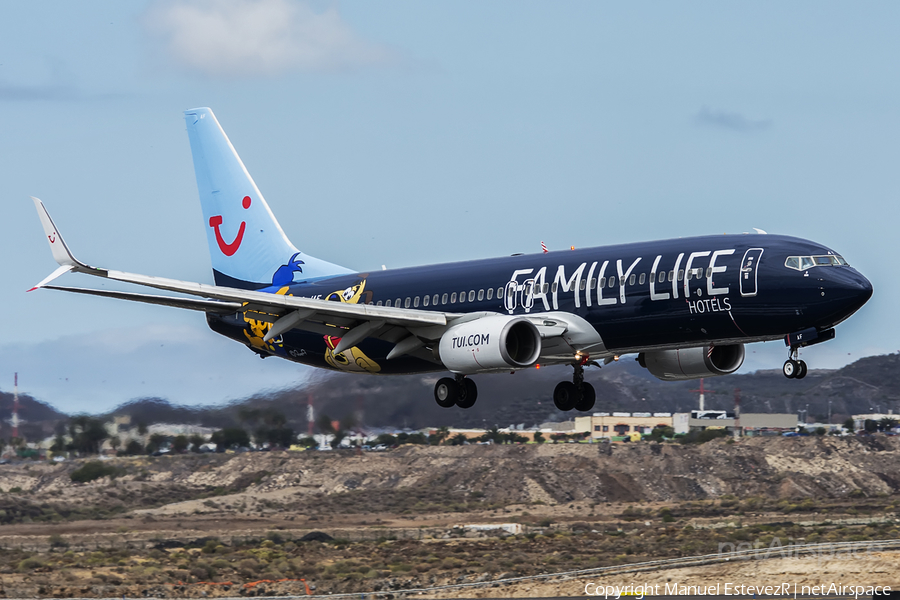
[
  {"x": 30, "y": 564},
  {"x": 93, "y": 470}
]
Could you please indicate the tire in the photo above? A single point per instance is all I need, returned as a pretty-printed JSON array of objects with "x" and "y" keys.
[
  {"x": 446, "y": 391},
  {"x": 801, "y": 372},
  {"x": 790, "y": 369},
  {"x": 588, "y": 397},
  {"x": 565, "y": 396},
  {"x": 468, "y": 393}
]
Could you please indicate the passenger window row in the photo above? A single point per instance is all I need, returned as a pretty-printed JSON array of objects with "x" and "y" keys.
[
  {"x": 439, "y": 299},
  {"x": 604, "y": 282}
]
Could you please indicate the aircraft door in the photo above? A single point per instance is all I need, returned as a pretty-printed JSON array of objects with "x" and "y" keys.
[
  {"x": 749, "y": 267},
  {"x": 528, "y": 295},
  {"x": 509, "y": 298}
]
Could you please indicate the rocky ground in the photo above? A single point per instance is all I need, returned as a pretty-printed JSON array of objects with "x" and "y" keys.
[{"x": 217, "y": 525}]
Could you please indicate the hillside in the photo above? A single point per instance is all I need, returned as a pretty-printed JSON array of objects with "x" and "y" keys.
[
  {"x": 623, "y": 386},
  {"x": 525, "y": 397},
  {"x": 37, "y": 419}
]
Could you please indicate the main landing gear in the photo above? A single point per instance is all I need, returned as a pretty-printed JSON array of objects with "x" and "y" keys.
[
  {"x": 577, "y": 394},
  {"x": 794, "y": 368},
  {"x": 461, "y": 392}
]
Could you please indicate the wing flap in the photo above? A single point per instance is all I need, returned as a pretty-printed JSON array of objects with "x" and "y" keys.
[{"x": 214, "y": 306}]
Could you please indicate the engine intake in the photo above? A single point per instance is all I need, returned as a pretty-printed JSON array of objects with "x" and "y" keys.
[
  {"x": 495, "y": 343},
  {"x": 692, "y": 363}
]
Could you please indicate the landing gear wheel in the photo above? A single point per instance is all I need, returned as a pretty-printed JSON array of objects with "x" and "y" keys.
[
  {"x": 790, "y": 368},
  {"x": 468, "y": 393},
  {"x": 588, "y": 397},
  {"x": 446, "y": 391},
  {"x": 566, "y": 396},
  {"x": 801, "y": 371}
]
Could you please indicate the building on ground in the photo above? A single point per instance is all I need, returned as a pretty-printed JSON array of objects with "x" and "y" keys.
[{"x": 607, "y": 425}]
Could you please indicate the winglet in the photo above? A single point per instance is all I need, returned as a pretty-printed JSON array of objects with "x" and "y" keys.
[
  {"x": 61, "y": 253},
  {"x": 62, "y": 269}
]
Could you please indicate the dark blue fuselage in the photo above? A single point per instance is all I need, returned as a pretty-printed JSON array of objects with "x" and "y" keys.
[{"x": 639, "y": 297}]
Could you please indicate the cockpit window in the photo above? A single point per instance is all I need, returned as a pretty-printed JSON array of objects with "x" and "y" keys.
[{"x": 802, "y": 263}]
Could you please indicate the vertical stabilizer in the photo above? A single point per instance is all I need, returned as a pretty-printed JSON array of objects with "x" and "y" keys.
[{"x": 247, "y": 246}]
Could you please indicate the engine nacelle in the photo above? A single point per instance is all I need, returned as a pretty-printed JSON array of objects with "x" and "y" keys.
[
  {"x": 495, "y": 343},
  {"x": 692, "y": 363}
]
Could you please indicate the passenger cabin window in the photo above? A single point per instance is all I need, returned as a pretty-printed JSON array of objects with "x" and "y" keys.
[
  {"x": 480, "y": 295},
  {"x": 406, "y": 304},
  {"x": 593, "y": 283},
  {"x": 583, "y": 284},
  {"x": 631, "y": 279},
  {"x": 462, "y": 296},
  {"x": 397, "y": 303},
  {"x": 680, "y": 274},
  {"x": 708, "y": 272},
  {"x": 672, "y": 275},
  {"x": 416, "y": 302},
  {"x": 388, "y": 303},
  {"x": 603, "y": 282},
  {"x": 453, "y": 298},
  {"x": 499, "y": 293},
  {"x": 546, "y": 287},
  {"x": 379, "y": 303},
  {"x": 471, "y": 295},
  {"x": 612, "y": 281},
  {"x": 444, "y": 299},
  {"x": 426, "y": 300},
  {"x": 490, "y": 293},
  {"x": 553, "y": 287},
  {"x": 662, "y": 277},
  {"x": 642, "y": 278},
  {"x": 434, "y": 299}
]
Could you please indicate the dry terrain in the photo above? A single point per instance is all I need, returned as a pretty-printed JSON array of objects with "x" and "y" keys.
[{"x": 218, "y": 525}]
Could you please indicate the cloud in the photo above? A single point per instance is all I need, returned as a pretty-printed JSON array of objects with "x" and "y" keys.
[
  {"x": 247, "y": 38},
  {"x": 28, "y": 93},
  {"x": 729, "y": 120},
  {"x": 58, "y": 86}
]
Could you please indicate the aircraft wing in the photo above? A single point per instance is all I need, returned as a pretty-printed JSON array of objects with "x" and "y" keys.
[{"x": 353, "y": 322}]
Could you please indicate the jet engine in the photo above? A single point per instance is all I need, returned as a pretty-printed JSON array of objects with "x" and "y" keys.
[
  {"x": 692, "y": 363},
  {"x": 494, "y": 343}
]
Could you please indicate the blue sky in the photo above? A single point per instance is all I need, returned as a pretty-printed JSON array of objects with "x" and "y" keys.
[{"x": 408, "y": 133}]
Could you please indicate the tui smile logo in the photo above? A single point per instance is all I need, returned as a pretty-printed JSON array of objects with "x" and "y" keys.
[{"x": 228, "y": 249}]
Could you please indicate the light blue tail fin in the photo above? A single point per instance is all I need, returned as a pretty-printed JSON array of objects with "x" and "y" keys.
[{"x": 247, "y": 246}]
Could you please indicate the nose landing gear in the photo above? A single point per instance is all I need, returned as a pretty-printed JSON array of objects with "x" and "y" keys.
[
  {"x": 577, "y": 394},
  {"x": 461, "y": 392},
  {"x": 793, "y": 367}
]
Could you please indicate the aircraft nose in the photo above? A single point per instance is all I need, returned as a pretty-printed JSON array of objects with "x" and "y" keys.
[{"x": 856, "y": 290}]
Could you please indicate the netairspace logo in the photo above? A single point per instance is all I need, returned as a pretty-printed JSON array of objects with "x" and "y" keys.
[
  {"x": 821, "y": 553},
  {"x": 638, "y": 591}
]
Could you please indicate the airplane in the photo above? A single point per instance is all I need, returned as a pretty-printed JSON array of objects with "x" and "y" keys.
[{"x": 686, "y": 307}]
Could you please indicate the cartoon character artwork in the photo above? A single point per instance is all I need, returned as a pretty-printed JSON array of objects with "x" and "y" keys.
[
  {"x": 284, "y": 275},
  {"x": 255, "y": 330},
  {"x": 352, "y": 359}
]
